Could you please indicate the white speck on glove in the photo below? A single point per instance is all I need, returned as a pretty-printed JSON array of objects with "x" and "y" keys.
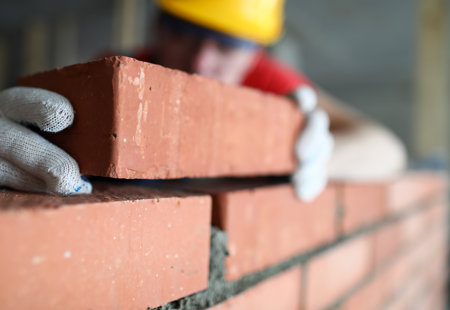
[
  {"x": 313, "y": 148},
  {"x": 27, "y": 161}
]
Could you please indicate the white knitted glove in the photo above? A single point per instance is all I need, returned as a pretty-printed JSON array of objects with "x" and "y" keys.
[
  {"x": 313, "y": 148},
  {"x": 27, "y": 161}
]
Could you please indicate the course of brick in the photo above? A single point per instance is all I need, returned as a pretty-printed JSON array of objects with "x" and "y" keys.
[
  {"x": 120, "y": 248},
  {"x": 139, "y": 120},
  {"x": 381, "y": 263},
  {"x": 138, "y": 246}
]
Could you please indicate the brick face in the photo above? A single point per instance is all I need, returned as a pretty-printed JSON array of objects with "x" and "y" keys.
[
  {"x": 413, "y": 188},
  {"x": 139, "y": 120},
  {"x": 336, "y": 271},
  {"x": 407, "y": 281},
  {"x": 365, "y": 203},
  {"x": 120, "y": 248},
  {"x": 279, "y": 292},
  {"x": 388, "y": 241},
  {"x": 392, "y": 238},
  {"x": 269, "y": 224},
  {"x": 362, "y": 204}
]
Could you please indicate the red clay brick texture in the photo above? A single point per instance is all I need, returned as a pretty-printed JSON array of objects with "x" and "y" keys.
[
  {"x": 408, "y": 279},
  {"x": 139, "y": 120},
  {"x": 365, "y": 203},
  {"x": 269, "y": 224},
  {"x": 392, "y": 238},
  {"x": 336, "y": 271},
  {"x": 121, "y": 248},
  {"x": 279, "y": 292}
]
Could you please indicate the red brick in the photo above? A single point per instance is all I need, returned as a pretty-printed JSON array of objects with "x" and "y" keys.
[
  {"x": 420, "y": 283},
  {"x": 119, "y": 248},
  {"x": 425, "y": 265},
  {"x": 439, "y": 294},
  {"x": 373, "y": 295},
  {"x": 414, "y": 188},
  {"x": 366, "y": 203},
  {"x": 405, "y": 272},
  {"x": 409, "y": 294},
  {"x": 269, "y": 224},
  {"x": 279, "y": 292},
  {"x": 429, "y": 269},
  {"x": 336, "y": 271},
  {"x": 413, "y": 226},
  {"x": 409, "y": 263},
  {"x": 370, "y": 297},
  {"x": 388, "y": 242},
  {"x": 438, "y": 214},
  {"x": 362, "y": 204},
  {"x": 435, "y": 280},
  {"x": 139, "y": 120},
  {"x": 395, "y": 236}
]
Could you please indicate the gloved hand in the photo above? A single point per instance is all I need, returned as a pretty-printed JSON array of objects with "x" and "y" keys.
[
  {"x": 28, "y": 162},
  {"x": 313, "y": 148}
]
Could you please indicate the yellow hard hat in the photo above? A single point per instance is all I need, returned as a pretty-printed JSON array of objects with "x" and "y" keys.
[{"x": 257, "y": 20}]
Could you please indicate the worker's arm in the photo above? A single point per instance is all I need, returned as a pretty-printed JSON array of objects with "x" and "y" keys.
[{"x": 363, "y": 149}]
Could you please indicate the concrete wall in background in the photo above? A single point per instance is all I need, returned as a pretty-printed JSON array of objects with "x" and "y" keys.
[{"x": 362, "y": 51}]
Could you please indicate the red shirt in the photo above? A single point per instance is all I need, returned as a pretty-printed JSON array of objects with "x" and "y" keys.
[
  {"x": 266, "y": 74},
  {"x": 270, "y": 75}
]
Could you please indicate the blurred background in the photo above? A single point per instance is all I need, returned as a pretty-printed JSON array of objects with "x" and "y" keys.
[{"x": 389, "y": 59}]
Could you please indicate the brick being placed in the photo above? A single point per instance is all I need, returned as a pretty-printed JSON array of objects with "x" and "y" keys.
[
  {"x": 123, "y": 247},
  {"x": 139, "y": 120}
]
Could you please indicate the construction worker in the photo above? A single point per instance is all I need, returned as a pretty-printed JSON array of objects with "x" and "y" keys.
[{"x": 224, "y": 40}]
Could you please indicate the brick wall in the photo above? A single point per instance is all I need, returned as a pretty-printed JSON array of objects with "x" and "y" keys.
[
  {"x": 144, "y": 246},
  {"x": 239, "y": 243}
]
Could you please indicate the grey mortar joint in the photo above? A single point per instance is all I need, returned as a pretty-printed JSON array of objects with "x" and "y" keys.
[
  {"x": 220, "y": 290},
  {"x": 217, "y": 290}
]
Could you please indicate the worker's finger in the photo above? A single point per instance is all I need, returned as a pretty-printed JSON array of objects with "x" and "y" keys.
[
  {"x": 306, "y": 98},
  {"x": 16, "y": 178},
  {"x": 308, "y": 184},
  {"x": 321, "y": 154},
  {"x": 313, "y": 136},
  {"x": 45, "y": 109},
  {"x": 35, "y": 155}
]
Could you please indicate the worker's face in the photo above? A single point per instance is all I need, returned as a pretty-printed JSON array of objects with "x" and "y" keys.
[{"x": 203, "y": 56}]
